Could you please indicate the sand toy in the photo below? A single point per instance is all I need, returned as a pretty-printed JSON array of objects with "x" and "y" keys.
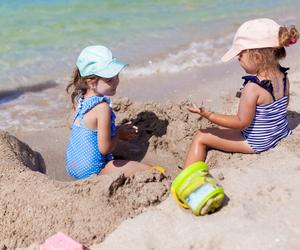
[
  {"x": 159, "y": 168},
  {"x": 60, "y": 241},
  {"x": 196, "y": 189}
]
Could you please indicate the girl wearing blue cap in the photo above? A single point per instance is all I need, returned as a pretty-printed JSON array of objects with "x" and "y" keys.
[{"x": 94, "y": 133}]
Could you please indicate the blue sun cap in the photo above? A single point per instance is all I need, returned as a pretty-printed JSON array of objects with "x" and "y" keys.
[{"x": 98, "y": 60}]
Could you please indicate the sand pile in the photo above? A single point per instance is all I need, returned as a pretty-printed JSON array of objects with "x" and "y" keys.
[
  {"x": 14, "y": 151},
  {"x": 165, "y": 132},
  {"x": 32, "y": 207},
  {"x": 261, "y": 209}
]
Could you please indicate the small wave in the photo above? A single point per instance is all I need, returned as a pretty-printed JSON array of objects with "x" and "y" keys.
[{"x": 196, "y": 54}]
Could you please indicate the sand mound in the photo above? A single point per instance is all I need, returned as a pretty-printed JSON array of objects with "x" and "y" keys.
[
  {"x": 14, "y": 151},
  {"x": 261, "y": 209},
  {"x": 165, "y": 132},
  {"x": 33, "y": 207}
]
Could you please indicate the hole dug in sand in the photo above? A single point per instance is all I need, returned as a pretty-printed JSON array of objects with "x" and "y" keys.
[{"x": 33, "y": 207}]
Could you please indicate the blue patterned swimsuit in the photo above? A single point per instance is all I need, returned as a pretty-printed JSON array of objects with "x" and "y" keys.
[
  {"x": 83, "y": 157},
  {"x": 270, "y": 123}
]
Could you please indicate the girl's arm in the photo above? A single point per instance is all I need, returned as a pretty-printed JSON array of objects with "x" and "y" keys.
[
  {"x": 245, "y": 113},
  {"x": 106, "y": 143}
]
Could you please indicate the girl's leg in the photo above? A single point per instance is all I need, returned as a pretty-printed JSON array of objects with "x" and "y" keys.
[
  {"x": 228, "y": 140},
  {"x": 126, "y": 167}
]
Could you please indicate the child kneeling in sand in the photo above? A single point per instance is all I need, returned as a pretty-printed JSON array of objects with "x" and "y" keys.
[
  {"x": 94, "y": 134},
  {"x": 261, "y": 120}
]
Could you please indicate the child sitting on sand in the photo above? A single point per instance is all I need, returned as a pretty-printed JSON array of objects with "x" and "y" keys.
[
  {"x": 94, "y": 134},
  {"x": 261, "y": 120}
]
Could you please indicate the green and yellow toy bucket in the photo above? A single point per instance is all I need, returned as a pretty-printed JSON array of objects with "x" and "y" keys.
[{"x": 196, "y": 189}]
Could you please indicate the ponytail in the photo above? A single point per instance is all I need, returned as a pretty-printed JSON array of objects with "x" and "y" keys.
[
  {"x": 288, "y": 36},
  {"x": 78, "y": 85}
]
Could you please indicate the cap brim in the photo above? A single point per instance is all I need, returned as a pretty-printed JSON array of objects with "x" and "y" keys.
[
  {"x": 112, "y": 69},
  {"x": 230, "y": 54}
]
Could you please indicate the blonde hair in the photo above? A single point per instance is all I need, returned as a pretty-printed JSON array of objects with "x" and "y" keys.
[
  {"x": 272, "y": 56},
  {"x": 78, "y": 85}
]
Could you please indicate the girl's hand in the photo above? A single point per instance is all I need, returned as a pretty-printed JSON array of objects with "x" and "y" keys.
[
  {"x": 200, "y": 110},
  {"x": 127, "y": 131}
]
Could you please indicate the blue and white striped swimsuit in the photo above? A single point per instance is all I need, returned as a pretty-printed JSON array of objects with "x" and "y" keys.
[
  {"x": 83, "y": 157},
  {"x": 270, "y": 123}
]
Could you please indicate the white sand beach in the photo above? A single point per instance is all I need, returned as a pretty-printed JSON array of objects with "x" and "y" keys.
[{"x": 261, "y": 209}]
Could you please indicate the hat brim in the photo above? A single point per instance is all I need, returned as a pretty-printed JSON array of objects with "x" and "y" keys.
[
  {"x": 112, "y": 69},
  {"x": 230, "y": 54}
]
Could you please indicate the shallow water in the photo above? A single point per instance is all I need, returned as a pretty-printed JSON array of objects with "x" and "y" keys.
[
  {"x": 160, "y": 40},
  {"x": 43, "y": 39}
]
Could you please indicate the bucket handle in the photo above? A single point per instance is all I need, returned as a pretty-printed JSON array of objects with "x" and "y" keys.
[{"x": 177, "y": 199}]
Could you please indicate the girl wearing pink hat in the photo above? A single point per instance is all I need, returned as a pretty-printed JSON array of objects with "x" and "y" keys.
[{"x": 261, "y": 119}]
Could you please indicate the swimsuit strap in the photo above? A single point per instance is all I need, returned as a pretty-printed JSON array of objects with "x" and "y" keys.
[
  {"x": 284, "y": 71},
  {"x": 266, "y": 84},
  {"x": 79, "y": 106},
  {"x": 86, "y": 105},
  {"x": 91, "y": 102}
]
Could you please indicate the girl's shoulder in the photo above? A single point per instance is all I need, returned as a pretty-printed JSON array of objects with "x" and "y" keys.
[
  {"x": 253, "y": 83},
  {"x": 102, "y": 104},
  {"x": 93, "y": 102},
  {"x": 250, "y": 86},
  {"x": 100, "y": 111},
  {"x": 102, "y": 107},
  {"x": 251, "y": 91}
]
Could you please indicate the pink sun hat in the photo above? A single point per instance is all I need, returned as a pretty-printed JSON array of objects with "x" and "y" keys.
[{"x": 254, "y": 34}]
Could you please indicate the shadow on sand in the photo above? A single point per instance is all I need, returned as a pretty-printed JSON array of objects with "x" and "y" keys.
[
  {"x": 294, "y": 119},
  {"x": 149, "y": 125}
]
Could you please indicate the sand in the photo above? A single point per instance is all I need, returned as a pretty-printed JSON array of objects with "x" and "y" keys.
[
  {"x": 261, "y": 209},
  {"x": 33, "y": 207}
]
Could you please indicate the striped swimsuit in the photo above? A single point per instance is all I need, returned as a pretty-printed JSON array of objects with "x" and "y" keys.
[{"x": 270, "y": 123}]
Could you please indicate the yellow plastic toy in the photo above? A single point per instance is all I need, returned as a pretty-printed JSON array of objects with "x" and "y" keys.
[
  {"x": 196, "y": 189},
  {"x": 159, "y": 168}
]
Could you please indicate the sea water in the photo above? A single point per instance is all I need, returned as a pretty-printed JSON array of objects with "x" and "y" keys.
[{"x": 41, "y": 39}]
